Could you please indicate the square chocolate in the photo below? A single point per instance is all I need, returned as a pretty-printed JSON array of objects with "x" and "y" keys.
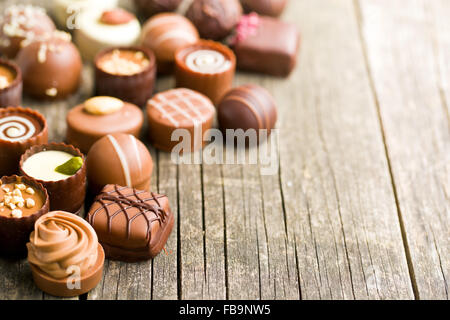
[
  {"x": 266, "y": 45},
  {"x": 132, "y": 225}
]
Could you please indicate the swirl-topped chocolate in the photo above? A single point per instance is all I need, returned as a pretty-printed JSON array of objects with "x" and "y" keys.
[
  {"x": 61, "y": 241},
  {"x": 16, "y": 128},
  {"x": 207, "y": 61}
]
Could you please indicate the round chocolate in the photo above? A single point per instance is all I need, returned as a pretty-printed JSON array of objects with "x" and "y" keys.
[
  {"x": 179, "y": 109},
  {"x": 51, "y": 68},
  {"x": 66, "y": 192},
  {"x": 100, "y": 29},
  {"x": 21, "y": 24},
  {"x": 272, "y": 8},
  {"x": 164, "y": 34},
  {"x": 22, "y": 202},
  {"x": 20, "y": 129},
  {"x": 247, "y": 107},
  {"x": 119, "y": 158},
  {"x": 85, "y": 126},
  {"x": 10, "y": 84},
  {"x": 127, "y": 73},
  {"x": 207, "y": 67},
  {"x": 150, "y": 7},
  {"x": 215, "y": 19}
]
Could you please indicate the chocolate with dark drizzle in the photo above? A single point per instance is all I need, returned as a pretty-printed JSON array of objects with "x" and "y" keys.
[{"x": 126, "y": 202}]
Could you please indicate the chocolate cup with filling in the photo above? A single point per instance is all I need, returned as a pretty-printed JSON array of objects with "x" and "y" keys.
[
  {"x": 15, "y": 232},
  {"x": 10, "y": 95},
  {"x": 212, "y": 83},
  {"x": 59, "y": 287},
  {"x": 135, "y": 88},
  {"x": 12, "y": 148},
  {"x": 67, "y": 194},
  {"x": 132, "y": 225}
]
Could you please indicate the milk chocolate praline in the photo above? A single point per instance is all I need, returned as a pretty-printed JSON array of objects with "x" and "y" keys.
[
  {"x": 65, "y": 257},
  {"x": 51, "y": 68},
  {"x": 14, "y": 232},
  {"x": 132, "y": 225},
  {"x": 150, "y": 7},
  {"x": 119, "y": 158},
  {"x": 213, "y": 84},
  {"x": 11, "y": 149},
  {"x": 11, "y": 91},
  {"x": 136, "y": 87},
  {"x": 67, "y": 194},
  {"x": 85, "y": 127}
]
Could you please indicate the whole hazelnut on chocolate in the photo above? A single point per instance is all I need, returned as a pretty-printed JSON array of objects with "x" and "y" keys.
[
  {"x": 20, "y": 24},
  {"x": 51, "y": 68},
  {"x": 149, "y": 8},
  {"x": 215, "y": 19}
]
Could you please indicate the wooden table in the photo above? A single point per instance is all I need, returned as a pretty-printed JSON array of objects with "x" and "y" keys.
[{"x": 360, "y": 206}]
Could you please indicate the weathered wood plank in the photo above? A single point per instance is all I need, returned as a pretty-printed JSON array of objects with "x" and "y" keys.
[
  {"x": 403, "y": 64},
  {"x": 337, "y": 193}
]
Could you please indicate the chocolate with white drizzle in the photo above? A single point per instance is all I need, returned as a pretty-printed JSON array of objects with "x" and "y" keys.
[{"x": 132, "y": 225}]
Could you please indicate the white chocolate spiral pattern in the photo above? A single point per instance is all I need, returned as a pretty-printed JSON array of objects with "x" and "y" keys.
[
  {"x": 207, "y": 61},
  {"x": 60, "y": 240},
  {"x": 15, "y": 128}
]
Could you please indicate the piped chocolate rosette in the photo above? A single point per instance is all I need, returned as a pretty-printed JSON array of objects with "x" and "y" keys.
[
  {"x": 207, "y": 67},
  {"x": 62, "y": 246}
]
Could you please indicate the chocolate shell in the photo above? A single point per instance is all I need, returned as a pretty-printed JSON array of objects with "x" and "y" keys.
[
  {"x": 11, "y": 151},
  {"x": 132, "y": 225},
  {"x": 68, "y": 194},
  {"x": 150, "y": 7},
  {"x": 273, "y": 8},
  {"x": 212, "y": 84},
  {"x": 11, "y": 96},
  {"x": 15, "y": 232},
  {"x": 136, "y": 88}
]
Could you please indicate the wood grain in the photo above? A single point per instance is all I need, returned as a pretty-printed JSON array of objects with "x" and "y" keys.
[{"x": 404, "y": 66}]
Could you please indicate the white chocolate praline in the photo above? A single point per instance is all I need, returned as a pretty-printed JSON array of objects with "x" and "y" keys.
[
  {"x": 42, "y": 165},
  {"x": 92, "y": 35},
  {"x": 16, "y": 128},
  {"x": 207, "y": 61}
]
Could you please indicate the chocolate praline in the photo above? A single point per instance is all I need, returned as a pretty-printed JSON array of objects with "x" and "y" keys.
[
  {"x": 247, "y": 107},
  {"x": 119, "y": 158},
  {"x": 10, "y": 84},
  {"x": 15, "y": 230},
  {"x": 20, "y": 129},
  {"x": 207, "y": 67},
  {"x": 66, "y": 193},
  {"x": 149, "y": 8},
  {"x": 125, "y": 77},
  {"x": 21, "y": 24},
  {"x": 132, "y": 225},
  {"x": 164, "y": 34},
  {"x": 85, "y": 126},
  {"x": 214, "y": 19},
  {"x": 51, "y": 68},
  {"x": 273, "y": 8}
]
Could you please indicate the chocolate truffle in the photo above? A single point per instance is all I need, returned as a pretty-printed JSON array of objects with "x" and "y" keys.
[
  {"x": 119, "y": 158},
  {"x": 132, "y": 225},
  {"x": 127, "y": 73},
  {"x": 51, "y": 68},
  {"x": 150, "y": 7},
  {"x": 20, "y": 129},
  {"x": 65, "y": 12},
  {"x": 64, "y": 255},
  {"x": 21, "y": 24},
  {"x": 45, "y": 163},
  {"x": 207, "y": 67},
  {"x": 215, "y": 19},
  {"x": 10, "y": 84},
  {"x": 247, "y": 107},
  {"x": 179, "y": 109},
  {"x": 100, "y": 116},
  {"x": 272, "y": 8},
  {"x": 164, "y": 34},
  {"x": 266, "y": 45},
  {"x": 22, "y": 202},
  {"x": 101, "y": 29}
]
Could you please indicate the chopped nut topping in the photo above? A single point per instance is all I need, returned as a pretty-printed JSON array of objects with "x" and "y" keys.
[
  {"x": 17, "y": 193},
  {"x": 20, "y": 204},
  {"x": 16, "y": 213},
  {"x": 12, "y": 206},
  {"x": 30, "y": 203},
  {"x": 16, "y": 199},
  {"x": 21, "y": 186},
  {"x": 30, "y": 191},
  {"x": 7, "y": 199},
  {"x": 6, "y": 189}
]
